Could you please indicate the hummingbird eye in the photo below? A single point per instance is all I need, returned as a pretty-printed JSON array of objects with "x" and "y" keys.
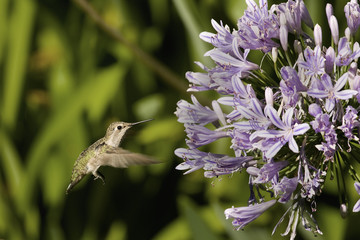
[{"x": 119, "y": 127}]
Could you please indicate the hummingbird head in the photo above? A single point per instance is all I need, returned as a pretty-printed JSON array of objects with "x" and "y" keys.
[{"x": 117, "y": 130}]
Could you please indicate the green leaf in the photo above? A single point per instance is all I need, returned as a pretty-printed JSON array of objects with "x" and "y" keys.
[
  {"x": 176, "y": 230},
  {"x": 188, "y": 12},
  {"x": 10, "y": 162},
  {"x": 20, "y": 28},
  {"x": 111, "y": 79},
  {"x": 3, "y": 26},
  {"x": 149, "y": 106},
  {"x": 117, "y": 231}
]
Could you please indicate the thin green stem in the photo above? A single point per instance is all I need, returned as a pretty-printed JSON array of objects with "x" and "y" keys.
[{"x": 164, "y": 72}]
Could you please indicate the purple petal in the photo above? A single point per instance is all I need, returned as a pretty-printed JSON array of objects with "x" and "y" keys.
[
  {"x": 271, "y": 152},
  {"x": 256, "y": 107},
  {"x": 229, "y": 101},
  {"x": 314, "y": 109},
  {"x": 267, "y": 134},
  {"x": 239, "y": 86},
  {"x": 345, "y": 94},
  {"x": 300, "y": 129},
  {"x": 275, "y": 119},
  {"x": 357, "y": 187},
  {"x": 357, "y": 206},
  {"x": 207, "y": 36},
  {"x": 341, "y": 82},
  {"x": 326, "y": 81},
  {"x": 318, "y": 93},
  {"x": 293, "y": 145},
  {"x": 329, "y": 104},
  {"x": 247, "y": 113},
  {"x": 288, "y": 117}
]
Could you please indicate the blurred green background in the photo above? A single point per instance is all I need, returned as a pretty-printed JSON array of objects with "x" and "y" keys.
[{"x": 66, "y": 73}]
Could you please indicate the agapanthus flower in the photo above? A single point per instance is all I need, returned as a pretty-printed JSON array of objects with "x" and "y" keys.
[{"x": 290, "y": 124}]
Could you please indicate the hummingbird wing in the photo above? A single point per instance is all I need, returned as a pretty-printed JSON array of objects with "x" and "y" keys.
[{"x": 121, "y": 158}]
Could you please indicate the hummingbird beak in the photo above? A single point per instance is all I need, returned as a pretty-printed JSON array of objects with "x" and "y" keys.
[{"x": 132, "y": 124}]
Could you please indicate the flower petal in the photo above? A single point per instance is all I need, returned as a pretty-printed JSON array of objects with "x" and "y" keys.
[
  {"x": 357, "y": 187},
  {"x": 357, "y": 206},
  {"x": 340, "y": 83},
  {"x": 345, "y": 94},
  {"x": 318, "y": 93},
  {"x": 274, "y": 117},
  {"x": 293, "y": 145},
  {"x": 288, "y": 117},
  {"x": 300, "y": 129},
  {"x": 271, "y": 152}
]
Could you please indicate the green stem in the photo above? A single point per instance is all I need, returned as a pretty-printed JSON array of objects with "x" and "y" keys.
[{"x": 164, "y": 72}]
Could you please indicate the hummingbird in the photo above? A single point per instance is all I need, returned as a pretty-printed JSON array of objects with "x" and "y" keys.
[{"x": 106, "y": 152}]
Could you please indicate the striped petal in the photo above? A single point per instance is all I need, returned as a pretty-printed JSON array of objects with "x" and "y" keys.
[
  {"x": 293, "y": 145},
  {"x": 345, "y": 94},
  {"x": 274, "y": 149},
  {"x": 274, "y": 117},
  {"x": 300, "y": 129}
]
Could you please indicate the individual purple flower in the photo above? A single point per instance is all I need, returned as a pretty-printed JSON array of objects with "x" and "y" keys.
[
  {"x": 285, "y": 188},
  {"x": 213, "y": 164},
  {"x": 314, "y": 63},
  {"x": 235, "y": 65},
  {"x": 290, "y": 86},
  {"x": 292, "y": 12},
  {"x": 328, "y": 147},
  {"x": 311, "y": 184},
  {"x": 222, "y": 40},
  {"x": 195, "y": 113},
  {"x": 332, "y": 93},
  {"x": 240, "y": 141},
  {"x": 352, "y": 14},
  {"x": 254, "y": 115},
  {"x": 194, "y": 159},
  {"x": 199, "y": 135},
  {"x": 286, "y": 134},
  {"x": 199, "y": 81},
  {"x": 345, "y": 55},
  {"x": 257, "y": 27},
  {"x": 291, "y": 78},
  {"x": 349, "y": 122},
  {"x": 321, "y": 123},
  {"x": 266, "y": 172},
  {"x": 357, "y": 204},
  {"x": 244, "y": 215}
]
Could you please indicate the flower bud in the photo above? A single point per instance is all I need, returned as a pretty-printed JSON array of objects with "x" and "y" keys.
[
  {"x": 334, "y": 27},
  {"x": 274, "y": 54},
  {"x": 318, "y": 35},
  {"x": 329, "y": 11}
]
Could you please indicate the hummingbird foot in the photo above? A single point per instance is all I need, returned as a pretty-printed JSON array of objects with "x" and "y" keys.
[{"x": 97, "y": 175}]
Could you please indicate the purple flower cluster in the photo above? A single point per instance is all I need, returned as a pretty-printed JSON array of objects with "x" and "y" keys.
[{"x": 288, "y": 128}]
